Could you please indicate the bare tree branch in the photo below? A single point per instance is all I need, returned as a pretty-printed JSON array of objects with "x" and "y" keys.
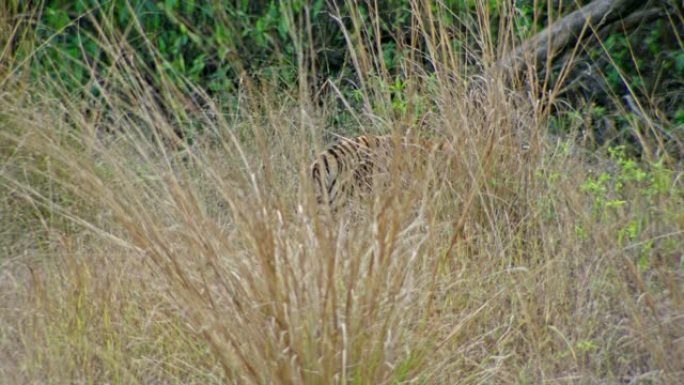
[
  {"x": 565, "y": 31},
  {"x": 633, "y": 21},
  {"x": 636, "y": 19}
]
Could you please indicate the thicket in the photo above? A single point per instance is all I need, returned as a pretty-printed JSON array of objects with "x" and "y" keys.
[{"x": 217, "y": 46}]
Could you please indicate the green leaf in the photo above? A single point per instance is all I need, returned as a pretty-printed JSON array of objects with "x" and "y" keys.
[
  {"x": 679, "y": 62},
  {"x": 679, "y": 116},
  {"x": 57, "y": 18}
]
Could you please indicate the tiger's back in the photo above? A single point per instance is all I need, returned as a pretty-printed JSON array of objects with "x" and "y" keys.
[
  {"x": 348, "y": 167},
  {"x": 345, "y": 168}
]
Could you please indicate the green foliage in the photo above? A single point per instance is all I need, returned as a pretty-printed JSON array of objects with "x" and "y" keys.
[
  {"x": 607, "y": 188},
  {"x": 208, "y": 43},
  {"x": 203, "y": 42},
  {"x": 679, "y": 116},
  {"x": 632, "y": 186},
  {"x": 213, "y": 44}
]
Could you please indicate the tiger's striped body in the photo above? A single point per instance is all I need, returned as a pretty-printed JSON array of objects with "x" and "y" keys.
[{"x": 348, "y": 167}]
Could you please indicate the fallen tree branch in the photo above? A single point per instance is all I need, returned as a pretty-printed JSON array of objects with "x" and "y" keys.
[
  {"x": 567, "y": 30},
  {"x": 636, "y": 19},
  {"x": 629, "y": 23}
]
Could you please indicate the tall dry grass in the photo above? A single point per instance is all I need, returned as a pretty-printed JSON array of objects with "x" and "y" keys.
[{"x": 133, "y": 257}]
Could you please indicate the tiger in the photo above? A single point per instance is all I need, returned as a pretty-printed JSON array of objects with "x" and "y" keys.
[{"x": 348, "y": 167}]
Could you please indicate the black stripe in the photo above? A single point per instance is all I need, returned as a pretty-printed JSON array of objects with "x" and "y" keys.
[
  {"x": 350, "y": 151},
  {"x": 331, "y": 186},
  {"x": 332, "y": 152},
  {"x": 341, "y": 149},
  {"x": 316, "y": 172},
  {"x": 354, "y": 150},
  {"x": 325, "y": 163}
]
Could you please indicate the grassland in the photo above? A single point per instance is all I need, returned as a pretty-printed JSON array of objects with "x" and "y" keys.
[{"x": 129, "y": 256}]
